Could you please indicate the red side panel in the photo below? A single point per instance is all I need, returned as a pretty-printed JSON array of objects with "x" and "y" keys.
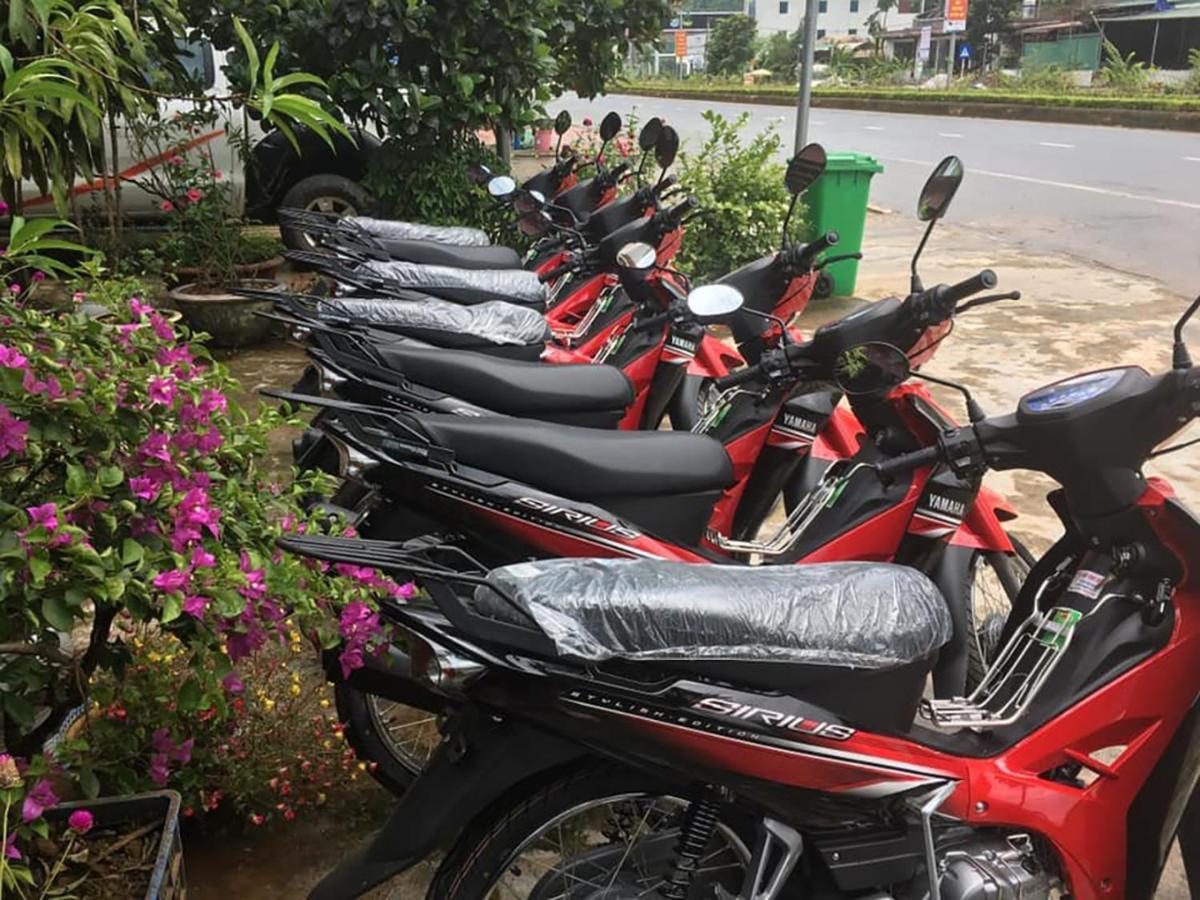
[
  {"x": 743, "y": 452},
  {"x": 715, "y": 358},
  {"x": 841, "y": 436},
  {"x": 981, "y": 528}
]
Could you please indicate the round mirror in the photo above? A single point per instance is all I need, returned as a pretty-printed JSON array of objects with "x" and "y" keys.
[
  {"x": 528, "y": 201},
  {"x": 804, "y": 168},
  {"x": 609, "y": 126},
  {"x": 501, "y": 186},
  {"x": 637, "y": 256},
  {"x": 562, "y": 123},
  {"x": 870, "y": 368},
  {"x": 713, "y": 301},
  {"x": 478, "y": 173},
  {"x": 648, "y": 136},
  {"x": 666, "y": 147},
  {"x": 939, "y": 190}
]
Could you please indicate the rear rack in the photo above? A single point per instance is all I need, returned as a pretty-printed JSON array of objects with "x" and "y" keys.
[{"x": 1018, "y": 675}]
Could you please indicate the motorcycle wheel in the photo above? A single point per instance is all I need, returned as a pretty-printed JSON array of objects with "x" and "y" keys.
[
  {"x": 692, "y": 401},
  {"x": 396, "y": 738},
  {"x": 596, "y": 832},
  {"x": 995, "y": 580}
]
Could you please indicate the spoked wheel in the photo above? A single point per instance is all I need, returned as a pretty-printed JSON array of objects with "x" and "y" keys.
[
  {"x": 332, "y": 194},
  {"x": 596, "y": 834},
  {"x": 996, "y": 579},
  {"x": 399, "y": 739},
  {"x": 693, "y": 401}
]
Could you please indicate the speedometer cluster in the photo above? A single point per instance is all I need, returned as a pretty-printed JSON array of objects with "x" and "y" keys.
[{"x": 1064, "y": 395}]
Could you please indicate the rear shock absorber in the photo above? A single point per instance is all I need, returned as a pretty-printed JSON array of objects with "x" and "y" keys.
[{"x": 699, "y": 825}]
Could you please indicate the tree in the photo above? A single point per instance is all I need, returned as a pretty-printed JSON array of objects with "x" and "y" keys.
[
  {"x": 730, "y": 46},
  {"x": 987, "y": 18},
  {"x": 782, "y": 52}
]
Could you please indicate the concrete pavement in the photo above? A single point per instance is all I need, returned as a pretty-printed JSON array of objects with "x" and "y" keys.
[{"x": 1127, "y": 199}]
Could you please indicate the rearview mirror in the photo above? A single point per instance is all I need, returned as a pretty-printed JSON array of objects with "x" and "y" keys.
[
  {"x": 804, "y": 168},
  {"x": 713, "y": 302},
  {"x": 940, "y": 189},
  {"x": 534, "y": 224},
  {"x": 637, "y": 257},
  {"x": 528, "y": 201},
  {"x": 648, "y": 136},
  {"x": 666, "y": 147},
  {"x": 501, "y": 186},
  {"x": 562, "y": 123},
  {"x": 609, "y": 126},
  {"x": 870, "y": 368},
  {"x": 479, "y": 174}
]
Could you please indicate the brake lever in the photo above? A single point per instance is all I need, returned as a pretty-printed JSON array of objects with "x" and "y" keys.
[{"x": 981, "y": 301}]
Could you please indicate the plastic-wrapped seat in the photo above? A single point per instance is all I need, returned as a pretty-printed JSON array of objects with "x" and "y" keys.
[
  {"x": 385, "y": 231},
  {"x": 856, "y": 638},
  {"x": 498, "y": 328},
  {"x": 462, "y": 285}
]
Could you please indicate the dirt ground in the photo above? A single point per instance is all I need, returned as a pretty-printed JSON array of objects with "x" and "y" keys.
[{"x": 1073, "y": 316}]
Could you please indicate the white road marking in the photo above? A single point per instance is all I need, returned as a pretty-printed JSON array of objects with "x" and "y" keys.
[
  {"x": 1125, "y": 195},
  {"x": 816, "y": 123},
  {"x": 873, "y": 127},
  {"x": 1192, "y": 158},
  {"x": 1053, "y": 144},
  {"x": 949, "y": 134}
]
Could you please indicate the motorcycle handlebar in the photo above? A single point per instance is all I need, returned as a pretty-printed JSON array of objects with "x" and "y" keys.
[
  {"x": 733, "y": 379},
  {"x": 666, "y": 183},
  {"x": 905, "y": 463},
  {"x": 984, "y": 281},
  {"x": 557, "y": 272},
  {"x": 652, "y": 322},
  {"x": 802, "y": 256}
]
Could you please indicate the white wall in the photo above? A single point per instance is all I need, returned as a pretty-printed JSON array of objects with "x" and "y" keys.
[{"x": 837, "y": 21}]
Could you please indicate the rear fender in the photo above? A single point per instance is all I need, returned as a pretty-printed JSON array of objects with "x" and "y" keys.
[
  {"x": 981, "y": 528},
  {"x": 714, "y": 359},
  {"x": 478, "y": 762}
]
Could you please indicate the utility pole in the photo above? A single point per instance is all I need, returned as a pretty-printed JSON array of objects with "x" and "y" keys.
[{"x": 804, "y": 99}]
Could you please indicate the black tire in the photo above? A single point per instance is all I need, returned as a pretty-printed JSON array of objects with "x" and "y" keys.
[
  {"x": 988, "y": 612},
  {"x": 688, "y": 405},
  {"x": 823, "y": 289},
  {"x": 487, "y": 849},
  {"x": 365, "y": 718},
  {"x": 327, "y": 193}
]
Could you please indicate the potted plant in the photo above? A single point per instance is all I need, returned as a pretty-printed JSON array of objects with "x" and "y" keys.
[{"x": 206, "y": 251}]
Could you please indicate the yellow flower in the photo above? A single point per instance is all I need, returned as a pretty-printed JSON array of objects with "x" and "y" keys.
[
  {"x": 268, "y": 704},
  {"x": 295, "y": 690},
  {"x": 324, "y": 704},
  {"x": 362, "y": 767}
]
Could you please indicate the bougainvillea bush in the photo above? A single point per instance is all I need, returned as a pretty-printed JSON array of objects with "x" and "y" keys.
[{"x": 134, "y": 492}]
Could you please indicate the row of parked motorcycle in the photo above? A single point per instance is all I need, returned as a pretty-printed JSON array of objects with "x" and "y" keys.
[{"x": 623, "y": 677}]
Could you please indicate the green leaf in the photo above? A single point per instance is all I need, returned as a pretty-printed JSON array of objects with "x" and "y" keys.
[
  {"x": 132, "y": 552},
  {"x": 19, "y": 709},
  {"x": 111, "y": 476},
  {"x": 250, "y": 50},
  {"x": 55, "y": 611},
  {"x": 88, "y": 782},
  {"x": 172, "y": 606},
  {"x": 190, "y": 695},
  {"x": 39, "y": 568}
]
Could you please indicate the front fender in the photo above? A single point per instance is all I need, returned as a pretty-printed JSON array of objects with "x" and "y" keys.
[
  {"x": 981, "y": 528},
  {"x": 479, "y": 761},
  {"x": 714, "y": 358}
]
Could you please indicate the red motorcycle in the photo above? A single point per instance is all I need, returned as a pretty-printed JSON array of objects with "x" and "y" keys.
[{"x": 629, "y": 729}]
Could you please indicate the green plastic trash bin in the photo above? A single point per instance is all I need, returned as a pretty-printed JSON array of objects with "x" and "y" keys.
[{"x": 838, "y": 202}]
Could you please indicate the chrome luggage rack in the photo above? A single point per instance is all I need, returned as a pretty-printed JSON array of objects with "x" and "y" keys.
[
  {"x": 823, "y": 496},
  {"x": 1017, "y": 676}
]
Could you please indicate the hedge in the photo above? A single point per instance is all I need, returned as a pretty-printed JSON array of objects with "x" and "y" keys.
[{"x": 1073, "y": 101}]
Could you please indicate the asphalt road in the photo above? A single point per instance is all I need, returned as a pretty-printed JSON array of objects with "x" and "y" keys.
[{"x": 1124, "y": 198}]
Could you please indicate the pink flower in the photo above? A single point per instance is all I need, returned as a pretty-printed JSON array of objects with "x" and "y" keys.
[
  {"x": 162, "y": 327},
  {"x": 3, "y": 208},
  {"x": 202, "y": 559},
  {"x": 15, "y": 288},
  {"x": 155, "y": 447},
  {"x": 195, "y": 605},
  {"x": 166, "y": 206},
  {"x": 78, "y": 297},
  {"x": 138, "y": 308},
  {"x": 217, "y": 174},
  {"x": 172, "y": 580},
  {"x": 10, "y": 848},
  {"x": 144, "y": 488},
  {"x": 232, "y": 683},
  {"x": 45, "y": 515},
  {"x": 194, "y": 195},
  {"x": 587, "y": 121},
  {"x": 162, "y": 391},
  {"x": 160, "y": 769},
  {"x": 80, "y": 821},
  {"x": 12, "y": 358},
  {"x": 39, "y": 276},
  {"x": 176, "y": 161},
  {"x": 12, "y": 433},
  {"x": 37, "y": 801}
]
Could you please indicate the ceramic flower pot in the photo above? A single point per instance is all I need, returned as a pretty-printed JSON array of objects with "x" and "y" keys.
[{"x": 230, "y": 319}]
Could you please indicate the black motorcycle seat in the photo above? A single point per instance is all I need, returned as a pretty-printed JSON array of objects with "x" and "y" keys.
[
  {"x": 438, "y": 253},
  {"x": 463, "y": 285},
  {"x": 443, "y": 322},
  {"x": 851, "y": 615},
  {"x": 510, "y": 386},
  {"x": 584, "y": 463},
  {"x": 387, "y": 231}
]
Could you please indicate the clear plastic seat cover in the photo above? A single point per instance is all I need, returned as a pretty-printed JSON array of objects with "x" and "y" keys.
[
  {"x": 852, "y": 614},
  {"x": 515, "y": 283},
  {"x": 495, "y": 320},
  {"x": 389, "y": 230}
]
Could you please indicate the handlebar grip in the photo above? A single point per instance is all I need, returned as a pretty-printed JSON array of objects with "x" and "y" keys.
[
  {"x": 733, "y": 379},
  {"x": 557, "y": 272},
  {"x": 984, "y": 281},
  {"x": 652, "y": 322},
  {"x": 905, "y": 463},
  {"x": 804, "y": 256},
  {"x": 666, "y": 183}
]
